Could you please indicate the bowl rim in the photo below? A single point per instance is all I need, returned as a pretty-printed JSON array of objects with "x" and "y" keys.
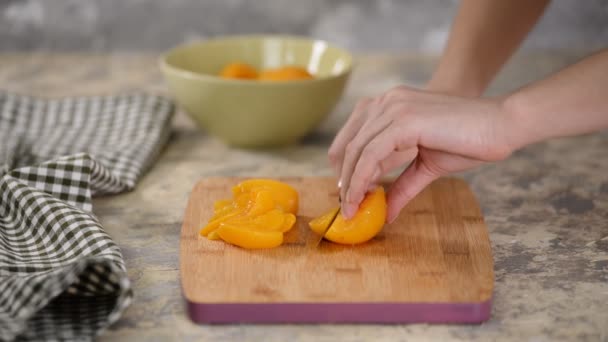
[{"x": 165, "y": 66}]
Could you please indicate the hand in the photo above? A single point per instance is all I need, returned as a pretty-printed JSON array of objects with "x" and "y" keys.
[{"x": 441, "y": 133}]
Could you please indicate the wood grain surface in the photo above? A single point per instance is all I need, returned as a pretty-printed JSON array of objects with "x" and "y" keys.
[{"x": 437, "y": 251}]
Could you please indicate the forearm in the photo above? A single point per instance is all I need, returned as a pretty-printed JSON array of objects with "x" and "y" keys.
[
  {"x": 571, "y": 102},
  {"x": 483, "y": 37}
]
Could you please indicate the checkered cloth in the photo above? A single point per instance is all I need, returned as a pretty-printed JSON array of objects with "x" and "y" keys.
[{"x": 61, "y": 276}]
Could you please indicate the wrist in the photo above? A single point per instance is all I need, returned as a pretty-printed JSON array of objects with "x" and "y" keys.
[
  {"x": 465, "y": 87},
  {"x": 456, "y": 90},
  {"x": 519, "y": 130}
]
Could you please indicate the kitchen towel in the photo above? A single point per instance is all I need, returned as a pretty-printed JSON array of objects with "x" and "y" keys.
[{"x": 61, "y": 276}]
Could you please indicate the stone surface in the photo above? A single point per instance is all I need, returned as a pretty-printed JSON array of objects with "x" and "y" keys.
[
  {"x": 102, "y": 25},
  {"x": 546, "y": 209}
]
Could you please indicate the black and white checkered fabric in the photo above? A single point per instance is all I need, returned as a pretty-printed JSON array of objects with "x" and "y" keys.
[{"x": 61, "y": 276}]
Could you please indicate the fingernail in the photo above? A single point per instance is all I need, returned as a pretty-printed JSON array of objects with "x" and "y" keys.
[
  {"x": 391, "y": 219},
  {"x": 347, "y": 212},
  {"x": 340, "y": 183},
  {"x": 349, "y": 196},
  {"x": 354, "y": 200}
]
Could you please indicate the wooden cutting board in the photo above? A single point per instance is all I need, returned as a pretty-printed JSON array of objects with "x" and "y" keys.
[{"x": 433, "y": 264}]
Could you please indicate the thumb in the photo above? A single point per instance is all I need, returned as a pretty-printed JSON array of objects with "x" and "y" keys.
[{"x": 411, "y": 182}]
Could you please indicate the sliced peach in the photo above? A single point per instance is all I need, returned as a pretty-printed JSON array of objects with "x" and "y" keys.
[
  {"x": 286, "y": 73},
  {"x": 215, "y": 223},
  {"x": 367, "y": 222},
  {"x": 213, "y": 235},
  {"x": 285, "y": 196},
  {"x": 239, "y": 71},
  {"x": 320, "y": 224},
  {"x": 272, "y": 221},
  {"x": 220, "y": 205},
  {"x": 288, "y": 223},
  {"x": 259, "y": 206},
  {"x": 262, "y": 202},
  {"x": 249, "y": 238}
]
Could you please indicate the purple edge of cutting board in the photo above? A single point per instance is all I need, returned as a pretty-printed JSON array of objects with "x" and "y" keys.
[{"x": 219, "y": 313}]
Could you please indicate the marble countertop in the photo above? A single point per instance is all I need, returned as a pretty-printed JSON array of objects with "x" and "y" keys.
[{"x": 546, "y": 209}]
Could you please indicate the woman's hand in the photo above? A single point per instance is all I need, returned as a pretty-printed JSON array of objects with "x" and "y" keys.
[{"x": 441, "y": 133}]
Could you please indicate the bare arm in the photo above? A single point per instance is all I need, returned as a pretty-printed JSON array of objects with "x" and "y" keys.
[
  {"x": 484, "y": 35},
  {"x": 571, "y": 102}
]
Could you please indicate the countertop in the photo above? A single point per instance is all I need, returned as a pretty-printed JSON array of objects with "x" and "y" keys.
[{"x": 546, "y": 209}]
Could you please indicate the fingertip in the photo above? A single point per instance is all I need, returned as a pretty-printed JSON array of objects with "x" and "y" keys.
[
  {"x": 348, "y": 212},
  {"x": 351, "y": 212},
  {"x": 344, "y": 212},
  {"x": 390, "y": 214},
  {"x": 395, "y": 205}
]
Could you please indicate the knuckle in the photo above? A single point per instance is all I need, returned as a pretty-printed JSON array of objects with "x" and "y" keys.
[
  {"x": 395, "y": 96},
  {"x": 336, "y": 147},
  {"x": 387, "y": 99},
  {"x": 335, "y": 155},
  {"x": 403, "y": 88},
  {"x": 370, "y": 152},
  {"x": 379, "y": 99},
  {"x": 351, "y": 147},
  {"x": 431, "y": 169},
  {"x": 355, "y": 150},
  {"x": 362, "y": 103},
  {"x": 398, "y": 91},
  {"x": 332, "y": 155}
]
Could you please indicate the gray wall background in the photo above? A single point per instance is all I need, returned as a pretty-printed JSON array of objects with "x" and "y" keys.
[{"x": 360, "y": 25}]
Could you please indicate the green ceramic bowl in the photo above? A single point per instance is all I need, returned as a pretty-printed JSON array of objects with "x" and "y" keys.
[{"x": 248, "y": 113}]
